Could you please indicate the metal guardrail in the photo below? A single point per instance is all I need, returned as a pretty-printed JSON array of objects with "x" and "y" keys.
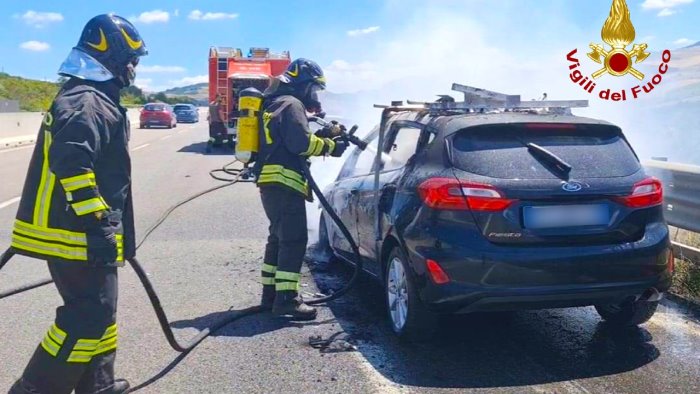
[{"x": 681, "y": 199}]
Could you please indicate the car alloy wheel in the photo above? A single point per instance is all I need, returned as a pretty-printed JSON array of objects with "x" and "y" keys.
[{"x": 397, "y": 292}]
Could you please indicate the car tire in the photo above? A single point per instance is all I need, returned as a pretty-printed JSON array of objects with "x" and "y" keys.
[
  {"x": 408, "y": 316},
  {"x": 628, "y": 313}
]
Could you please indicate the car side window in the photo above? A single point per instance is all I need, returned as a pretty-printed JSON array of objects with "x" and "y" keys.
[{"x": 402, "y": 148}]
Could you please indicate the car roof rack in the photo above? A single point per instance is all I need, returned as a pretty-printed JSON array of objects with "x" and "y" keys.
[{"x": 478, "y": 100}]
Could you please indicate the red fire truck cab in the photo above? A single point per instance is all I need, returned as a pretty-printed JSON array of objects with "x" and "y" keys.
[{"x": 230, "y": 72}]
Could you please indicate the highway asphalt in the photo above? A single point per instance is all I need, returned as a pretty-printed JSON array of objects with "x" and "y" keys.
[{"x": 204, "y": 262}]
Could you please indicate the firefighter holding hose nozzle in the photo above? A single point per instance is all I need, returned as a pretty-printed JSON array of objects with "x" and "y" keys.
[
  {"x": 76, "y": 211},
  {"x": 285, "y": 141}
]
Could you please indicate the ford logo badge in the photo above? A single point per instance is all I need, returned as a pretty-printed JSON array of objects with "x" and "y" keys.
[{"x": 572, "y": 186}]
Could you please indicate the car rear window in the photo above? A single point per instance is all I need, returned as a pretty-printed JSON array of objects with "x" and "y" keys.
[
  {"x": 182, "y": 108},
  {"x": 593, "y": 151},
  {"x": 154, "y": 107}
]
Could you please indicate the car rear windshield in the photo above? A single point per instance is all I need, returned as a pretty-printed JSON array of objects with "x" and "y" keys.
[
  {"x": 592, "y": 151},
  {"x": 182, "y": 108},
  {"x": 154, "y": 107}
]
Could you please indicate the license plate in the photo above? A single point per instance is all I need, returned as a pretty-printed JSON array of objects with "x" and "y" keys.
[{"x": 552, "y": 216}]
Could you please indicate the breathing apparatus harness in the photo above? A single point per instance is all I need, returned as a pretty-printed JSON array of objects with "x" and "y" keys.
[{"x": 248, "y": 121}]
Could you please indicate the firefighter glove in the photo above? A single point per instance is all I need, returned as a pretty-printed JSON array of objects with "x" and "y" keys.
[
  {"x": 102, "y": 245},
  {"x": 340, "y": 145},
  {"x": 330, "y": 130}
]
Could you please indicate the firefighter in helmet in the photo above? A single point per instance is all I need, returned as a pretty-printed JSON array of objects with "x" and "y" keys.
[
  {"x": 76, "y": 211},
  {"x": 285, "y": 142}
]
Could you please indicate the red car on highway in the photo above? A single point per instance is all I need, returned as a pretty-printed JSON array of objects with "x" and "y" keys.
[{"x": 157, "y": 114}]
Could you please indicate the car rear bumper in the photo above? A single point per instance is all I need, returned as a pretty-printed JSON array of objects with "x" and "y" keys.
[
  {"x": 508, "y": 278},
  {"x": 156, "y": 122}
]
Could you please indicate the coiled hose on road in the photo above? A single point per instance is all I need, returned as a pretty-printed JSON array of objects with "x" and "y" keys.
[{"x": 239, "y": 176}]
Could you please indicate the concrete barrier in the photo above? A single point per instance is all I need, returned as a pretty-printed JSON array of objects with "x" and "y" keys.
[{"x": 21, "y": 128}]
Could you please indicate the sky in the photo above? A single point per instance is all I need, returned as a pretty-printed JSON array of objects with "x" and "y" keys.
[{"x": 361, "y": 44}]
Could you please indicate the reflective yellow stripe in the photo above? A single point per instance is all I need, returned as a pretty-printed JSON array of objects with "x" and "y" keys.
[
  {"x": 281, "y": 275},
  {"x": 80, "y": 357},
  {"x": 50, "y": 347},
  {"x": 79, "y": 182},
  {"x": 111, "y": 330},
  {"x": 276, "y": 168},
  {"x": 273, "y": 173},
  {"x": 86, "y": 345},
  {"x": 86, "y": 349},
  {"x": 57, "y": 334},
  {"x": 49, "y": 249},
  {"x": 270, "y": 269},
  {"x": 331, "y": 145},
  {"x": 53, "y": 340},
  {"x": 282, "y": 286},
  {"x": 268, "y": 281},
  {"x": 105, "y": 346},
  {"x": 50, "y": 234},
  {"x": 90, "y": 206},
  {"x": 46, "y": 185},
  {"x": 316, "y": 146}
]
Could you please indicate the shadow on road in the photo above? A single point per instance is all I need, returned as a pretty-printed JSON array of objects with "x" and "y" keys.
[
  {"x": 487, "y": 350},
  {"x": 201, "y": 148},
  {"x": 248, "y": 327}
]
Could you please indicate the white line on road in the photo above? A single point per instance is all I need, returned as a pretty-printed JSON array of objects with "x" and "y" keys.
[
  {"x": 140, "y": 147},
  {"x": 166, "y": 137},
  {"x": 9, "y": 202},
  {"x": 18, "y": 148}
]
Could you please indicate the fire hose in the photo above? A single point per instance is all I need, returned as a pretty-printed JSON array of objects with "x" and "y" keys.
[{"x": 240, "y": 175}]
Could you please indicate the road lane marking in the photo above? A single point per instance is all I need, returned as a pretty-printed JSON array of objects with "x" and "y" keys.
[
  {"x": 166, "y": 137},
  {"x": 140, "y": 147},
  {"x": 15, "y": 149},
  {"x": 9, "y": 202}
]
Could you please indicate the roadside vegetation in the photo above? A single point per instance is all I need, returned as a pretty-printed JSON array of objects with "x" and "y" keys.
[
  {"x": 33, "y": 95},
  {"x": 686, "y": 281},
  {"x": 36, "y": 96}
]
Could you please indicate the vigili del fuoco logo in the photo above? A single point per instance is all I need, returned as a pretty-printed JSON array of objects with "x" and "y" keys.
[{"x": 616, "y": 60}]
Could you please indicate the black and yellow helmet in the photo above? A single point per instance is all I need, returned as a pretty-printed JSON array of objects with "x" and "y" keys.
[
  {"x": 302, "y": 71},
  {"x": 304, "y": 79},
  {"x": 115, "y": 43}
]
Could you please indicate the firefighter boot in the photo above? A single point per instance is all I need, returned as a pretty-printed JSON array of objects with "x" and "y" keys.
[
  {"x": 268, "y": 297},
  {"x": 120, "y": 386},
  {"x": 288, "y": 303}
]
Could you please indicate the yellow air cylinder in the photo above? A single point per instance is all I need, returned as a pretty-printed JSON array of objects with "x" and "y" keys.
[{"x": 249, "y": 104}]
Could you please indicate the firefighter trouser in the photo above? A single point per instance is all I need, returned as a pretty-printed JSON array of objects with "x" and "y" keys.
[
  {"x": 217, "y": 130},
  {"x": 78, "y": 350},
  {"x": 286, "y": 243}
]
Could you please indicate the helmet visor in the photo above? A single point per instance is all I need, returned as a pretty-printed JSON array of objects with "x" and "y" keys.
[
  {"x": 79, "y": 64},
  {"x": 311, "y": 100}
]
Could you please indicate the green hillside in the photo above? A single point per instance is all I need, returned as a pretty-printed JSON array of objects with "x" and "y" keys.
[{"x": 32, "y": 95}]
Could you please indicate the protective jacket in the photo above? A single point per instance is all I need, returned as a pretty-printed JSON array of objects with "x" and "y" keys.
[
  {"x": 284, "y": 138},
  {"x": 80, "y": 166}
]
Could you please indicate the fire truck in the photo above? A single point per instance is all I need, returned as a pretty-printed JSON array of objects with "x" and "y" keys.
[{"x": 229, "y": 73}]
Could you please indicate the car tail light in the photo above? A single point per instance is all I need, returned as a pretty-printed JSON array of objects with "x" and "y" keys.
[
  {"x": 558, "y": 126},
  {"x": 449, "y": 193},
  {"x": 645, "y": 194},
  {"x": 436, "y": 272}
]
